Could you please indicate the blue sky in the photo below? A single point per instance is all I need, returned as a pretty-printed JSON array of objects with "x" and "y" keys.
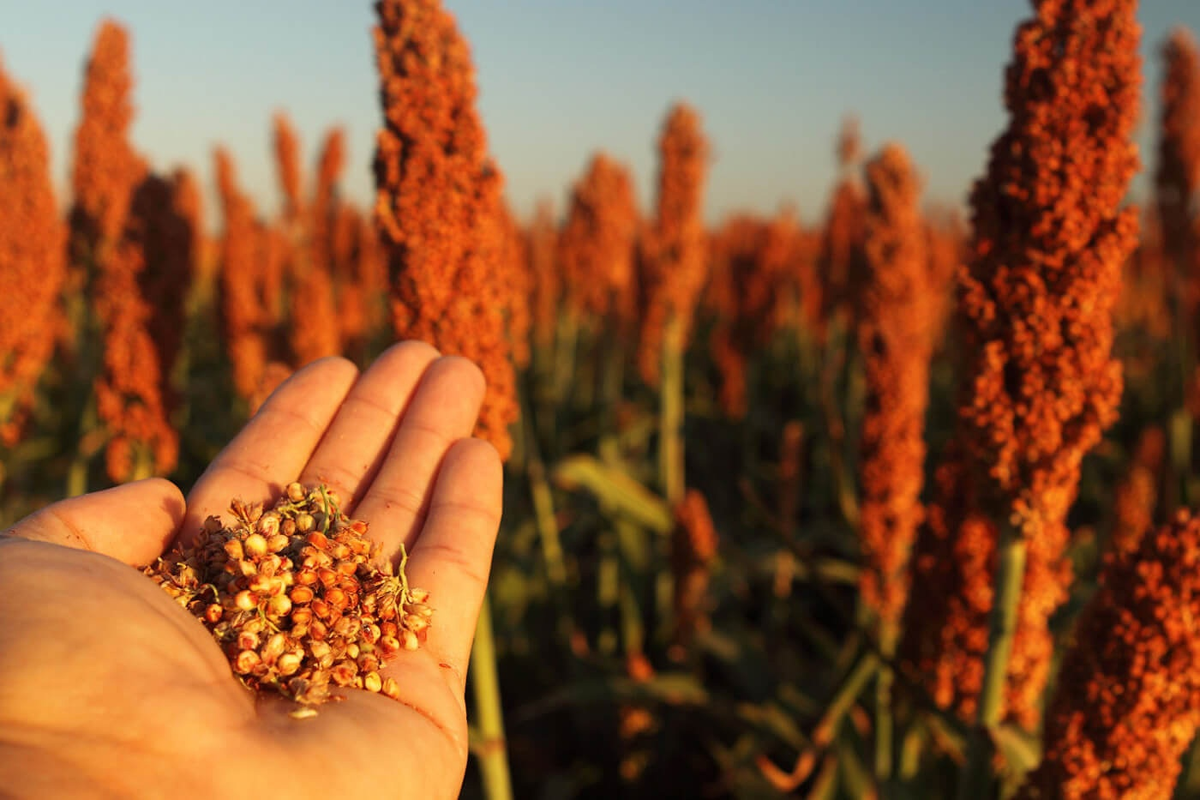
[{"x": 558, "y": 80}]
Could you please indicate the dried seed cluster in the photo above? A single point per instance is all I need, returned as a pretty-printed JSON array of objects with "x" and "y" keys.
[{"x": 296, "y": 598}]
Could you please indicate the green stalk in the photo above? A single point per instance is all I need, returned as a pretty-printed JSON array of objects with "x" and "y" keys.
[
  {"x": 844, "y": 700},
  {"x": 631, "y": 543},
  {"x": 670, "y": 459},
  {"x": 485, "y": 684},
  {"x": 1010, "y": 573},
  {"x": 670, "y": 428},
  {"x": 547, "y": 523},
  {"x": 884, "y": 724}
]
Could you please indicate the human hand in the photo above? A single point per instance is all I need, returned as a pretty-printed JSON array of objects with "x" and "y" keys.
[{"x": 109, "y": 688}]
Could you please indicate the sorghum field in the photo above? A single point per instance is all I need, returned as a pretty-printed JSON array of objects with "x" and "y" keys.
[{"x": 889, "y": 502}]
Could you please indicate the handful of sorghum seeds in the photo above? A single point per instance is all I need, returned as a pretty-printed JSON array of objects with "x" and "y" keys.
[{"x": 295, "y": 597}]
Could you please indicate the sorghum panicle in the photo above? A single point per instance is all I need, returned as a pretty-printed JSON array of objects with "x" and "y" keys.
[
  {"x": 1177, "y": 176},
  {"x": 895, "y": 339},
  {"x": 287, "y": 163},
  {"x": 32, "y": 257},
  {"x": 244, "y": 314},
  {"x": 953, "y": 566},
  {"x": 541, "y": 236},
  {"x": 435, "y": 191},
  {"x": 755, "y": 266},
  {"x": 1037, "y": 295},
  {"x": 597, "y": 243},
  {"x": 839, "y": 258},
  {"x": 675, "y": 267},
  {"x": 105, "y": 169},
  {"x": 1127, "y": 704}
]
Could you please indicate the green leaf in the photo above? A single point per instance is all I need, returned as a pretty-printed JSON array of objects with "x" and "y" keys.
[{"x": 614, "y": 488}]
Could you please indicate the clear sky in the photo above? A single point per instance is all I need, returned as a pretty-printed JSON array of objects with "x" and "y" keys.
[{"x": 558, "y": 80}]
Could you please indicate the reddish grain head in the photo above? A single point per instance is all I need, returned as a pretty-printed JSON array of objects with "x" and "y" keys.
[{"x": 435, "y": 194}]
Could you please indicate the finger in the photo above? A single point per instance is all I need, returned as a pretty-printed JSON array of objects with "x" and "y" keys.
[
  {"x": 442, "y": 411},
  {"x": 132, "y": 523},
  {"x": 349, "y": 456},
  {"x": 453, "y": 555},
  {"x": 275, "y": 444}
]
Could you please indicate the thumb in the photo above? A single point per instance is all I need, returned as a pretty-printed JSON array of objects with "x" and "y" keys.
[{"x": 132, "y": 523}]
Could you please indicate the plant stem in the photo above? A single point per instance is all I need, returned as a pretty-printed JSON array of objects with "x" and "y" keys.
[
  {"x": 485, "y": 683},
  {"x": 670, "y": 444},
  {"x": 884, "y": 725},
  {"x": 1010, "y": 573}
]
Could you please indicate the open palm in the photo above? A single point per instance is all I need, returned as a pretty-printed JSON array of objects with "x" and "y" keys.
[{"x": 107, "y": 687}]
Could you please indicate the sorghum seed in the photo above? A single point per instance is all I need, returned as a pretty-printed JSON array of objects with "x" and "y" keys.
[
  {"x": 305, "y": 522},
  {"x": 389, "y": 628},
  {"x": 277, "y": 542},
  {"x": 301, "y": 616},
  {"x": 245, "y": 661},
  {"x": 247, "y": 641},
  {"x": 255, "y": 545},
  {"x": 318, "y": 649},
  {"x": 372, "y": 682},
  {"x": 370, "y": 633},
  {"x": 341, "y": 551},
  {"x": 268, "y": 524},
  {"x": 389, "y": 646},
  {"x": 233, "y": 549},
  {"x": 368, "y": 662},
  {"x": 336, "y": 598},
  {"x": 343, "y": 672},
  {"x": 274, "y": 648},
  {"x": 409, "y": 640},
  {"x": 213, "y": 612},
  {"x": 415, "y": 623},
  {"x": 352, "y": 650},
  {"x": 327, "y": 576},
  {"x": 347, "y": 567},
  {"x": 320, "y": 608},
  {"x": 288, "y": 527},
  {"x": 279, "y": 605},
  {"x": 295, "y": 492},
  {"x": 247, "y": 568},
  {"x": 288, "y": 663},
  {"x": 391, "y": 688},
  {"x": 306, "y": 577},
  {"x": 418, "y": 595},
  {"x": 301, "y": 594},
  {"x": 317, "y": 630},
  {"x": 246, "y": 600}
]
